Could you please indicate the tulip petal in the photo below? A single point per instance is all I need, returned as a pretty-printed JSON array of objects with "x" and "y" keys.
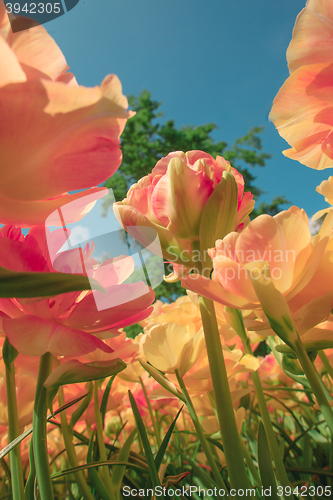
[
  {"x": 219, "y": 214},
  {"x": 172, "y": 199},
  {"x": 33, "y": 336},
  {"x": 37, "y": 51},
  {"x": 134, "y": 308},
  {"x": 11, "y": 71},
  {"x": 28, "y": 213},
  {"x": 312, "y": 36},
  {"x": 212, "y": 290},
  {"x": 272, "y": 301},
  {"x": 283, "y": 240},
  {"x": 75, "y": 143}
]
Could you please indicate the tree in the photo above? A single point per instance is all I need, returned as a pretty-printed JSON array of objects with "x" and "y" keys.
[{"x": 145, "y": 140}]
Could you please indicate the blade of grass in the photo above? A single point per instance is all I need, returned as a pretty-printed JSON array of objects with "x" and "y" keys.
[
  {"x": 145, "y": 443},
  {"x": 92, "y": 473},
  {"x": 265, "y": 464},
  {"x": 95, "y": 464},
  {"x": 119, "y": 471},
  {"x": 105, "y": 398}
]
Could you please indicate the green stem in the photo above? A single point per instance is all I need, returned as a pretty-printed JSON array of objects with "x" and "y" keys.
[
  {"x": 225, "y": 411},
  {"x": 281, "y": 474},
  {"x": 326, "y": 363},
  {"x": 329, "y": 480},
  {"x": 314, "y": 382},
  {"x": 14, "y": 431},
  {"x": 250, "y": 464},
  {"x": 30, "y": 484},
  {"x": 200, "y": 433},
  {"x": 271, "y": 438},
  {"x": 156, "y": 431},
  {"x": 39, "y": 430},
  {"x": 100, "y": 438},
  {"x": 70, "y": 450}
]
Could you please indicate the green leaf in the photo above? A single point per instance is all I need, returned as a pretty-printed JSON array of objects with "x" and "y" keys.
[
  {"x": 105, "y": 399},
  {"x": 14, "y": 284},
  {"x": 291, "y": 366},
  {"x": 95, "y": 464},
  {"x": 145, "y": 442},
  {"x": 9, "y": 353},
  {"x": 266, "y": 466},
  {"x": 92, "y": 473},
  {"x": 119, "y": 471},
  {"x": 219, "y": 215},
  {"x": 162, "y": 380},
  {"x": 75, "y": 372},
  {"x": 301, "y": 379},
  {"x": 77, "y": 414},
  {"x": 165, "y": 442},
  {"x": 163, "y": 447}
]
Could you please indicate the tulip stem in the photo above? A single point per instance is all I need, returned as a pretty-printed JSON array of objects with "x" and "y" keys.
[
  {"x": 200, "y": 433},
  {"x": 70, "y": 450},
  {"x": 250, "y": 464},
  {"x": 314, "y": 382},
  {"x": 14, "y": 431},
  {"x": 39, "y": 430},
  {"x": 153, "y": 419},
  {"x": 281, "y": 473},
  {"x": 225, "y": 411},
  {"x": 30, "y": 484},
  {"x": 100, "y": 438},
  {"x": 326, "y": 363}
]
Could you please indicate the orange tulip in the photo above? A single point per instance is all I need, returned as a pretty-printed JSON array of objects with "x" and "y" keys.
[
  {"x": 55, "y": 136},
  {"x": 302, "y": 108}
]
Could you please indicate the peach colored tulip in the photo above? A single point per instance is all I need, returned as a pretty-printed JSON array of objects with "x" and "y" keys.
[
  {"x": 302, "y": 108},
  {"x": 326, "y": 189},
  {"x": 170, "y": 346},
  {"x": 55, "y": 136},
  {"x": 283, "y": 241},
  {"x": 173, "y": 198},
  {"x": 68, "y": 324},
  {"x": 182, "y": 311},
  {"x": 317, "y": 296}
]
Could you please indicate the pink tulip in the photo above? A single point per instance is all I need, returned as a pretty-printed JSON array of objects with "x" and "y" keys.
[
  {"x": 55, "y": 136},
  {"x": 302, "y": 108},
  {"x": 174, "y": 198},
  {"x": 68, "y": 324}
]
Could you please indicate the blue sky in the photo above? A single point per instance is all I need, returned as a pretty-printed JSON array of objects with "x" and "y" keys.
[{"x": 214, "y": 61}]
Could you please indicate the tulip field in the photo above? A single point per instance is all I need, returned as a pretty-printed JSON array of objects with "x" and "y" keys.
[{"x": 226, "y": 392}]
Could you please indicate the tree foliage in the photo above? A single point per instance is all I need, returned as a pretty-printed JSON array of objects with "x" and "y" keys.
[{"x": 146, "y": 139}]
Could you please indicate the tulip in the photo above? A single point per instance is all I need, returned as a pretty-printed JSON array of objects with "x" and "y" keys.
[
  {"x": 171, "y": 347},
  {"x": 326, "y": 189},
  {"x": 188, "y": 199},
  {"x": 55, "y": 136},
  {"x": 283, "y": 242},
  {"x": 302, "y": 108},
  {"x": 68, "y": 324}
]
